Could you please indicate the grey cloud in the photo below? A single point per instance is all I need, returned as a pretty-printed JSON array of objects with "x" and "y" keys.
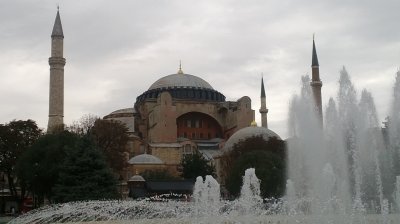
[{"x": 115, "y": 50}]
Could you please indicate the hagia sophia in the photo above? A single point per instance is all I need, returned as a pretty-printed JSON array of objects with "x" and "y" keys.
[{"x": 178, "y": 115}]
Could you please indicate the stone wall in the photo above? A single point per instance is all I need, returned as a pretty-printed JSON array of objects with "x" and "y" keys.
[{"x": 158, "y": 120}]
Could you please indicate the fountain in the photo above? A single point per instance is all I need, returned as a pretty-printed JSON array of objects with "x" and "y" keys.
[
  {"x": 205, "y": 208},
  {"x": 349, "y": 173},
  {"x": 344, "y": 171},
  {"x": 206, "y": 196}
]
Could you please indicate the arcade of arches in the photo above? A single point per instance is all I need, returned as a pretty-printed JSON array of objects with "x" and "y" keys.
[{"x": 198, "y": 126}]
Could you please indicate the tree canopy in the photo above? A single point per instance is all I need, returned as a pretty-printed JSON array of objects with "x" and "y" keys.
[
  {"x": 196, "y": 165},
  {"x": 83, "y": 126},
  {"x": 84, "y": 175},
  {"x": 39, "y": 167},
  {"x": 267, "y": 157},
  {"x": 270, "y": 169},
  {"x": 66, "y": 167},
  {"x": 15, "y": 138},
  {"x": 111, "y": 138}
]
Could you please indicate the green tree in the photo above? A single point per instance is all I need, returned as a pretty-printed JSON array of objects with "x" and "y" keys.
[
  {"x": 270, "y": 169},
  {"x": 38, "y": 168},
  {"x": 15, "y": 138},
  {"x": 83, "y": 126},
  {"x": 258, "y": 143},
  {"x": 267, "y": 157},
  {"x": 196, "y": 165},
  {"x": 84, "y": 175},
  {"x": 111, "y": 138}
]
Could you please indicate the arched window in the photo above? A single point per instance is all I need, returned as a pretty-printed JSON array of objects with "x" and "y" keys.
[{"x": 198, "y": 126}]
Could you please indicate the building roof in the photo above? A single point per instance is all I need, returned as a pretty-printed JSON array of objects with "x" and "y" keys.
[
  {"x": 165, "y": 145},
  {"x": 177, "y": 185},
  {"x": 129, "y": 110},
  {"x": 125, "y": 116},
  {"x": 136, "y": 178},
  {"x": 209, "y": 154},
  {"x": 145, "y": 159},
  {"x": 248, "y": 132},
  {"x": 129, "y": 122},
  {"x": 180, "y": 80},
  {"x": 209, "y": 144},
  {"x": 57, "y": 28}
]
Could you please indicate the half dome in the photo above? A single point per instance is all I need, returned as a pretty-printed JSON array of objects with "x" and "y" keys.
[
  {"x": 249, "y": 132},
  {"x": 122, "y": 112},
  {"x": 125, "y": 116}
]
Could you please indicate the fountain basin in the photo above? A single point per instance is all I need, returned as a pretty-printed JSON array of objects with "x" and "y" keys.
[{"x": 267, "y": 219}]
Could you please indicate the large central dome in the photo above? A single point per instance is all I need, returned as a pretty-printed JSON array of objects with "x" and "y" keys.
[
  {"x": 180, "y": 80},
  {"x": 183, "y": 87}
]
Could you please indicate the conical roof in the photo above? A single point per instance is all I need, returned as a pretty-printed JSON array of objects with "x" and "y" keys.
[
  {"x": 262, "y": 88},
  {"x": 57, "y": 28},
  {"x": 314, "y": 55}
]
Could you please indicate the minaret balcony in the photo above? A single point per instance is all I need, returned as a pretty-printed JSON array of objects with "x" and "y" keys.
[
  {"x": 56, "y": 61},
  {"x": 316, "y": 84},
  {"x": 263, "y": 110}
]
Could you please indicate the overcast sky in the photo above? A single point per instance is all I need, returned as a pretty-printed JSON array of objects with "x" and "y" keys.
[{"x": 116, "y": 49}]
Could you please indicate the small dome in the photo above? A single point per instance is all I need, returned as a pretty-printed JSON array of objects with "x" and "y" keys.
[
  {"x": 248, "y": 132},
  {"x": 125, "y": 116},
  {"x": 136, "y": 178},
  {"x": 129, "y": 110},
  {"x": 180, "y": 80},
  {"x": 145, "y": 159}
]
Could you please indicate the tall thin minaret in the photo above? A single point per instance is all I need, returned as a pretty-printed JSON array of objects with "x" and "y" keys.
[
  {"x": 263, "y": 109},
  {"x": 56, "y": 62},
  {"x": 316, "y": 83}
]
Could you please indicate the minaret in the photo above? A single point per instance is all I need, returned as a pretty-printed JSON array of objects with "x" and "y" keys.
[
  {"x": 316, "y": 83},
  {"x": 56, "y": 62},
  {"x": 263, "y": 109}
]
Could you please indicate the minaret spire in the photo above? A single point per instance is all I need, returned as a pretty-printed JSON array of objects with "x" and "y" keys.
[
  {"x": 263, "y": 109},
  {"x": 316, "y": 83},
  {"x": 57, "y": 63},
  {"x": 314, "y": 54},
  {"x": 57, "y": 28},
  {"x": 262, "y": 87}
]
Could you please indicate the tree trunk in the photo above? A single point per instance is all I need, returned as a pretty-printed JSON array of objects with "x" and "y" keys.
[{"x": 11, "y": 185}]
